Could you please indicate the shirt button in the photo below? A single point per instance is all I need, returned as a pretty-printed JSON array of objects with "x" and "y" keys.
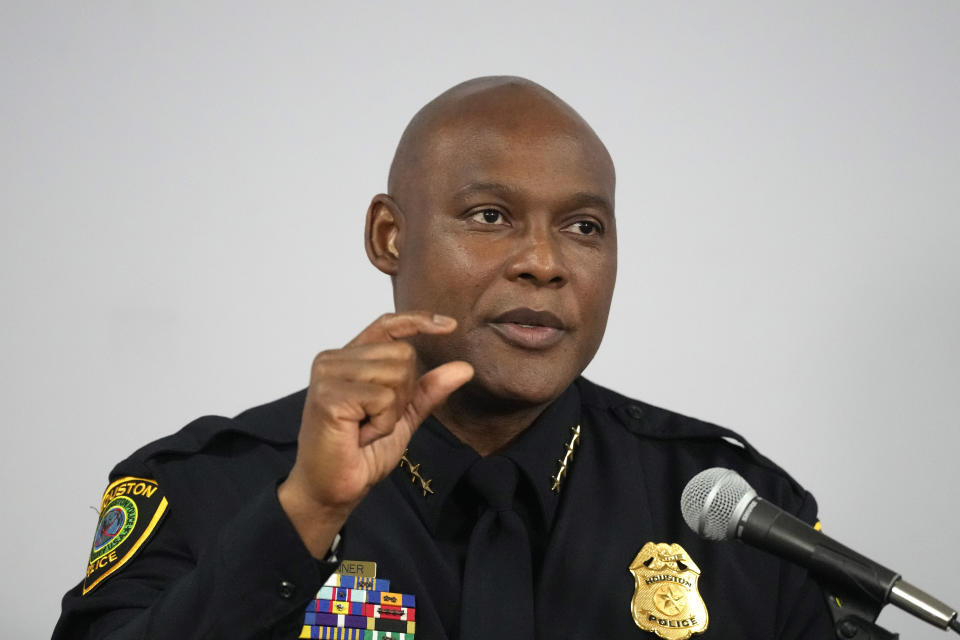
[
  {"x": 287, "y": 589},
  {"x": 635, "y": 411}
]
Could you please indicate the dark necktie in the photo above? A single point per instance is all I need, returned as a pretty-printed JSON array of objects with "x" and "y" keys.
[{"x": 497, "y": 597}]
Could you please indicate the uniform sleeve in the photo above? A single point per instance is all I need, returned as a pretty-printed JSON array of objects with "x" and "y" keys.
[
  {"x": 254, "y": 581},
  {"x": 803, "y": 612}
]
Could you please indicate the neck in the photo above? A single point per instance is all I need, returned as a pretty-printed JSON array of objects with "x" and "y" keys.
[{"x": 483, "y": 426}]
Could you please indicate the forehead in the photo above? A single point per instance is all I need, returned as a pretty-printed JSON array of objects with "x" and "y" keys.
[{"x": 539, "y": 159}]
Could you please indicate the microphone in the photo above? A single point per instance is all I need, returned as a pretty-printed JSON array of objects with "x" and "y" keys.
[{"x": 718, "y": 504}]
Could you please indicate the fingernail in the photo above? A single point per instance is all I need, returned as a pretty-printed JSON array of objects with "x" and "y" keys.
[{"x": 442, "y": 321}]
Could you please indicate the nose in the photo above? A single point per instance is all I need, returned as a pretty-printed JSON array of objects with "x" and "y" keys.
[{"x": 538, "y": 258}]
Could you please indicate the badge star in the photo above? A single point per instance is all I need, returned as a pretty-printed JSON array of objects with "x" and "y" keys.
[{"x": 671, "y": 600}]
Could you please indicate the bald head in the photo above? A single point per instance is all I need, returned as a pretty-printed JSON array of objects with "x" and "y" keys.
[{"x": 484, "y": 107}]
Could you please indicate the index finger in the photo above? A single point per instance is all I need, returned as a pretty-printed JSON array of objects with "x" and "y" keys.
[{"x": 397, "y": 326}]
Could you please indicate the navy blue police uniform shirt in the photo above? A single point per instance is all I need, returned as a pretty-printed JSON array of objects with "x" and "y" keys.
[{"x": 223, "y": 560}]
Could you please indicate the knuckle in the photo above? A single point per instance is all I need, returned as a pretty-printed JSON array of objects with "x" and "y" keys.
[
  {"x": 405, "y": 350},
  {"x": 383, "y": 400},
  {"x": 382, "y": 424},
  {"x": 388, "y": 396},
  {"x": 321, "y": 359},
  {"x": 318, "y": 391}
]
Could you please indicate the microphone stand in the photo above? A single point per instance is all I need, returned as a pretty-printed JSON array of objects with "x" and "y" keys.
[{"x": 854, "y": 618}]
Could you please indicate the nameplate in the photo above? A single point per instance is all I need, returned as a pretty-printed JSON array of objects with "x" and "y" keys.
[{"x": 358, "y": 568}]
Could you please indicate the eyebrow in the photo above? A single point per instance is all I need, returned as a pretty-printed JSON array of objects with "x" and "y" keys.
[
  {"x": 575, "y": 200},
  {"x": 486, "y": 186}
]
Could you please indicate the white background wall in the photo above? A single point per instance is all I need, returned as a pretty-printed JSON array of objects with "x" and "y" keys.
[{"x": 182, "y": 188}]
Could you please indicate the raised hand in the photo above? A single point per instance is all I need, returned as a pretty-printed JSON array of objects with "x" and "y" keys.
[{"x": 363, "y": 405}]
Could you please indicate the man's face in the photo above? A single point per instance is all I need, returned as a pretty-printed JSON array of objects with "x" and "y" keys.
[{"x": 511, "y": 231}]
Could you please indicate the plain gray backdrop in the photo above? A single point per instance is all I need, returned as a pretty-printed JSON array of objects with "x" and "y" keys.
[{"x": 183, "y": 185}]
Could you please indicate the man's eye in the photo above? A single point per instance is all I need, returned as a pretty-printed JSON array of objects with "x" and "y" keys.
[
  {"x": 488, "y": 216},
  {"x": 585, "y": 228}
]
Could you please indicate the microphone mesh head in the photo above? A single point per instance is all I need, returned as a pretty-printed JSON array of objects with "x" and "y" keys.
[{"x": 712, "y": 500}]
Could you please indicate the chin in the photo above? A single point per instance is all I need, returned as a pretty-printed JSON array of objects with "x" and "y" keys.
[{"x": 516, "y": 389}]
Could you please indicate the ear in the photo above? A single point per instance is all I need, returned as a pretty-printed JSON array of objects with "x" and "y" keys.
[{"x": 382, "y": 233}]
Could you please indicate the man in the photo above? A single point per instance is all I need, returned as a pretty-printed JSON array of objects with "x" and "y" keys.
[{"x": 530, "y": 503}]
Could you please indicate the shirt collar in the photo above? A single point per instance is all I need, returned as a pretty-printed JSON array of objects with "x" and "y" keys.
[
  {"x": 540, "y": 448},
  {"x": 441, "y": 459}
]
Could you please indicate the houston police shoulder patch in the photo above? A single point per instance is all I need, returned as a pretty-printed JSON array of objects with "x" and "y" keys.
[{"x": 130, "y": 511}]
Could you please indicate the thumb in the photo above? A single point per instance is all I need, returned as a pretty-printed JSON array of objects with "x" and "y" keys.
[{"x": 435, "y": 386}]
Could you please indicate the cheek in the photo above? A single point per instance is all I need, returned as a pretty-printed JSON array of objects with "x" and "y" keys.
[
  {"x": 444, "y": 274},
  {"x": 595, "y": 283}
]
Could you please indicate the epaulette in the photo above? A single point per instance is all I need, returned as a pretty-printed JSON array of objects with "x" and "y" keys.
[
  {"x": 649, "y": 421},
  {"x": 276, "y": 422}
]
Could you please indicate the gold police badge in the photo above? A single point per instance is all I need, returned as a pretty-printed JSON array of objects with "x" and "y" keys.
[{"x": 666, "y": 601}]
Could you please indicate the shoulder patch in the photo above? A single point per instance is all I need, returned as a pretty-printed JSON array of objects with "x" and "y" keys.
[{"x": 130, "y": 511}]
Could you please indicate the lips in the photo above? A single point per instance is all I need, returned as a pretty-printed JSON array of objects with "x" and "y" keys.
[{"x": 529, "y": 329}]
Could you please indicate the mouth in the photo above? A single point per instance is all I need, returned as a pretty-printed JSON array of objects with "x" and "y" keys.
[{"x": 529, "y": 329}]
